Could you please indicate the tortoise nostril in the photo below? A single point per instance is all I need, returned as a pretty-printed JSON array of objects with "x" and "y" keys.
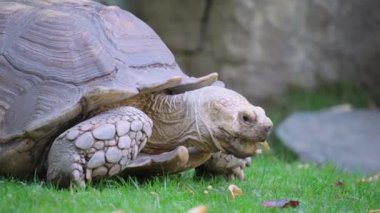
[
  {"x": 268, "y": 125},
  {"x": 267, "y": 128}
]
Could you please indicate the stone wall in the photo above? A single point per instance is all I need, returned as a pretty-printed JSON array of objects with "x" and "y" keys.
[{"x": 260, "y": 47}]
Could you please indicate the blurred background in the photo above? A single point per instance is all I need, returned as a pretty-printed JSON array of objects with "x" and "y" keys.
[
  {"x": 288, "y": 56},
  {"x": 262, "y": 47}
]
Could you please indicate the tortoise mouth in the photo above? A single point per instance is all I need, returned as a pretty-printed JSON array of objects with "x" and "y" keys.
[{"x": 239, "y": 145}]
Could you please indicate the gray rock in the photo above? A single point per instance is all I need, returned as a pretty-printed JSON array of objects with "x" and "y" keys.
[
  {"x": 122, "y": 127},
  {"x": 98, "y": 159},
  {"x": 84, "y": 141},
  {"x": 104, "y": 132},
  {"x": 348, "y": 139},
  {"x": 272, "y": 44},
  {"x": 113, "y": 155},
  {"x": 136, "y": 125},
  {"x": 124, "y": 142}
]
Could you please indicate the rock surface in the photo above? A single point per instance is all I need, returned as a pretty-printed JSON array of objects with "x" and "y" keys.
[
  {"x": 271, "y": 43},
  {"x": 348, "y": 139}
]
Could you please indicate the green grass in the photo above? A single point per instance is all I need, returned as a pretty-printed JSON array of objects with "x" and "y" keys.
[{"x": 269, "y": 178}]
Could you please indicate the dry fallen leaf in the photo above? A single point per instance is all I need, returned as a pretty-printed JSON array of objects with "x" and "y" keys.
[
  {"x": 198, "y": 209},
  {"x": 235, "y": 191},
  {"x": 283, "y": 203},
  {"x": 374, "y": 211},
  {"x": 262, "y": 147},
  {"x": 265, "y": 146},
  {"x": 118, "y": 211},
  {"x": 339, "y": 184},
  {"x": 258, "y": 152},
  {"x": 157, "y": 197},
  {"x": 303, "y": 166},
  {"x": 370, "y": 179}
]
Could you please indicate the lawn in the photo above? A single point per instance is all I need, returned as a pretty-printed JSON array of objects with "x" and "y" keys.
[
  {"x": 319, "y": 189},
  {"x": 268, "y": 179}
]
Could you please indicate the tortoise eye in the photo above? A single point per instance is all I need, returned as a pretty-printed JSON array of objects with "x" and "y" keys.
[{"x": 246, "y": 118}]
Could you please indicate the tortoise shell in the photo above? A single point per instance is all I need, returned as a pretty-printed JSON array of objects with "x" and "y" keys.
[{"x": 61, "y": 59}]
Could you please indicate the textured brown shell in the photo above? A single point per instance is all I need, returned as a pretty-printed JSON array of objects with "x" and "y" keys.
[{"x": 61, "y": 58}]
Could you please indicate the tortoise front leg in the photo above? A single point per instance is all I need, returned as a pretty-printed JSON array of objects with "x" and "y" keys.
[
  {"x": 99, "y": 147},
  {"x": 175, "y": 161},
  {"x": 158, "y": 164},
  {"x": 228, "y": 165},
  {"x": 224, "y": 164}
]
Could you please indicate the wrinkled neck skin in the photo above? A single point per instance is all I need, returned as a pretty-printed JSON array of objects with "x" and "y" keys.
[{"x": 177, "y": 120}]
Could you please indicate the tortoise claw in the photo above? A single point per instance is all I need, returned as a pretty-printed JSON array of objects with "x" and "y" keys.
[{"x": 224, "y": 164}]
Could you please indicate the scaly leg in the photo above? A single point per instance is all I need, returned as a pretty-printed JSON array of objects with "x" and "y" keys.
[
  {"x": 224, "y": 164},
  {"x": 99, "y": 147},
  {"x": 175, "y": 161}
]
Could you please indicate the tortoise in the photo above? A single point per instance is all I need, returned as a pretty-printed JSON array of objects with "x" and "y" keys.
[{"x": 90, "y": 91}]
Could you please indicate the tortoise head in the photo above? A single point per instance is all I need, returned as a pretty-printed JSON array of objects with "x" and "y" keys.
[{"x": 235, "y": 125}]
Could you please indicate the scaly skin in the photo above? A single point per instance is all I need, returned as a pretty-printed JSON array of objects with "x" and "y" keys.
[
  {"x": 99, "y": 147},
  {"x": 188, "y": 129},
  {"x": 206, "y": 121}
]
